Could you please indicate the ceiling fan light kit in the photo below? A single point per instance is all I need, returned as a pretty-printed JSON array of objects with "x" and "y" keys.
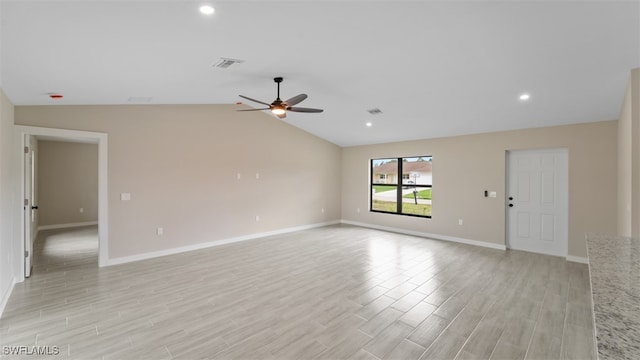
[{"x": 279, "y": 107}]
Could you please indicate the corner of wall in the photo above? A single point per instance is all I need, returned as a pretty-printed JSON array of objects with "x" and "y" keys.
[{"x": 629, "y": 159}]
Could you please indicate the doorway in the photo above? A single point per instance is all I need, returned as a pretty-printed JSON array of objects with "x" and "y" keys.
[
  {"x": 24, "y": 134},
  {"x": 537, "y": 201}
]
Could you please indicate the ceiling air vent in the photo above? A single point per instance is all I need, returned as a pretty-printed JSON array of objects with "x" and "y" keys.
[
  {"x": 224, "y": 63},
  {"x": 375, "y": 111}
]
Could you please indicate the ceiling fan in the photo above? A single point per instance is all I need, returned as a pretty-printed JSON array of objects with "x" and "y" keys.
[{"x": 279, "y": 107}]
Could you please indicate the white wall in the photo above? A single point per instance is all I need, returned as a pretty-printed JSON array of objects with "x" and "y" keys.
[
  {"x": 8, "y": 268},
  {"x": 7, "y": 251},
  {"x": 67, "y": 182},
  {"x": 465, "y": 166},
  {"x": 629, "y": 159},
  {"x": 180, "y": 163}
]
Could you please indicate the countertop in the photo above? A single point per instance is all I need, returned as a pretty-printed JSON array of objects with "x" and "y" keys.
[{"x": 614, "y": 269}]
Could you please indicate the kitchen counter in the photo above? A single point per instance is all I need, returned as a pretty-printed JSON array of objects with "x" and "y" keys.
[{"x": 614, "y": 269}]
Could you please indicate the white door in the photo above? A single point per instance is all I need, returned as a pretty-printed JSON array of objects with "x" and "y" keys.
[
  {"x": 29, "y": 202},
  {"x": 537, "y": 200}
]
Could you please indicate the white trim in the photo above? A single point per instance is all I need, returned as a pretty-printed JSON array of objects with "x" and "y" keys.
[
  {"x": 103, "y": 207},
  {"x": 578, "y": 259},
  {"x": 182, "y": 249},
  {"x": 428, "y": 235},
  {"x": 6, "y": 295},
  {"x": 68, "y": 225}
]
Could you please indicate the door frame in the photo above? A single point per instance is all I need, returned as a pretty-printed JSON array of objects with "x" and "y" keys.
[
  {"x": 20, "y": 132},
  {"x": 565, "y": 230},
  {"x": 29, "y": 226}
]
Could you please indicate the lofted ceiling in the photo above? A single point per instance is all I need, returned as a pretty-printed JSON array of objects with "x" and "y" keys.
[{"x": 432, "y": 68}]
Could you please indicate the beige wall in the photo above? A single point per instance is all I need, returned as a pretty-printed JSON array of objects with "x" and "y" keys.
[
  {"x": 180, "y": 164},
  {"x": 465, "y": 166},
  {"x": 629, "y": 159},
  {"x": 67, "y": 181},
  {"x": 8, "y": 253}
]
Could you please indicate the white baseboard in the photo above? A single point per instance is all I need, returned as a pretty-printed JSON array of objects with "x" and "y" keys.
[
  {"x": 173, "y": 251},
  {"x": 577, "y": 259},
  {"x": 69, "y": 225},
  {"x": 428, "y": 235},
  {"x": 5, "y": 295}
]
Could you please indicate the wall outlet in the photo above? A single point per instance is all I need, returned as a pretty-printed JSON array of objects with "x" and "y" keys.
[
  {"x": 358, "y": 210},
  {"x": 81, "y": 210},
  {"x": 257, "y": 176},
  {"x": 159, "y": 231},
  {"x": 460, "y": 221},
  {"x": 238, "y": 176},
  {"x": 322, "y": 210},
  {"x": 257, "y": 218}
]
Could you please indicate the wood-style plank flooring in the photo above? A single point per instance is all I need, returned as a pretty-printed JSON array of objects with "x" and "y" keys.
[{"x": 335, "y": 292}]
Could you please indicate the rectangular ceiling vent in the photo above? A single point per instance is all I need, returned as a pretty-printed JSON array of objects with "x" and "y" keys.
[
  {"x": 225, "y": 63},
  {"x": 375, "y": 111}
]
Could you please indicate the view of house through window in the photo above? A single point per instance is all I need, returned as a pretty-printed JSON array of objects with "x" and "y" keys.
[{"x": 408, "y": 193}]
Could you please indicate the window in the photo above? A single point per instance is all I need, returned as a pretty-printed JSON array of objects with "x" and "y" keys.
[{"x": 411, "y": 195}]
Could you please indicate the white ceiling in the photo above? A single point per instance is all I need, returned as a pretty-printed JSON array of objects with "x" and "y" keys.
[{"x": 434, "y": 68}]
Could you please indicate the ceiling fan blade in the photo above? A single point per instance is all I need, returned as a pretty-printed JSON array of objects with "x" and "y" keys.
[
  {"x": 254, "y": 109},
  {"x": 304, "y": 110},
  {"x": 296, "y": 99},
  {"x": 254, "y": 100}
]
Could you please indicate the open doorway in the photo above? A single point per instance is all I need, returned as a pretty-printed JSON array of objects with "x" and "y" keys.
[
  {"x": 65, "y": 249},
  {"x": 24, "y": 137},
  {"x": 66, "y": 204}
]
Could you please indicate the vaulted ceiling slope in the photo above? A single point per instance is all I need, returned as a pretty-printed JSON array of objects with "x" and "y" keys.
[{"x": 432, "y": 68}]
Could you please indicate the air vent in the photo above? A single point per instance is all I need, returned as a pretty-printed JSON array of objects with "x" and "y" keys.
[
  {"x": 375, "y": 111},
  {"x": 224, "y": 63}
]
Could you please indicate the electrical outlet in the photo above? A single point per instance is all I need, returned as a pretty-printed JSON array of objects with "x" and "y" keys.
[
  {"x": 238, "y": 176},
  {"x": 257, "y": 218},
  {"x": 125, "y": 196},
  {"x": 358, "y": 210},
  {"x": 159, "y": 231},
  {"x": 257, "y": 176},
  {"x": 81, "y": 210},
  {"x": 322, "y": 210},
  {"x": 460, "y": 221}
]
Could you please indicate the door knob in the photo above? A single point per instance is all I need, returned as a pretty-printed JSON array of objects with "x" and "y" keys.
[
  {"x": 34, "y": 207},
  {"x": 510, "y": 205},
  {"x": 510, "y": 197}
]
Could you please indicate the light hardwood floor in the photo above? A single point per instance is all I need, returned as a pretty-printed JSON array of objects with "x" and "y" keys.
[{"x": 327, "y": 293}]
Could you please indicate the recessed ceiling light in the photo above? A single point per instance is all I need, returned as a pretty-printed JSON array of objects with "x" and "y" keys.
[
  {"x": 369, "y": 124},
  {"x": 207, "y": 9},
  {"x": 525, "y": 97}
]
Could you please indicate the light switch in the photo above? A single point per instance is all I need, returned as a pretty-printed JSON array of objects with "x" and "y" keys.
[{"x": 125, "y": 196}]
